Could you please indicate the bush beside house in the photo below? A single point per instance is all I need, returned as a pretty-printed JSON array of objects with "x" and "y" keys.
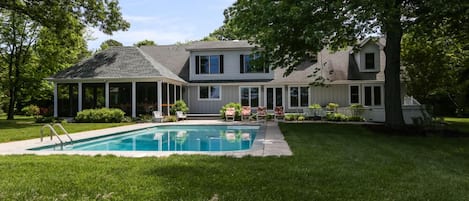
[{"x": 103, "y": 115}]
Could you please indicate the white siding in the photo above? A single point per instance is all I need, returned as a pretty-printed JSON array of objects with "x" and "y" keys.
[
  {"x": 333, "y": 93},
  {"x": 369, "y": 48},
  {"x": 228, "y": 93}
]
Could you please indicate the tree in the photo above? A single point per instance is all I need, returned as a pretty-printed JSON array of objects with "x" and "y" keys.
[
  {"x": 290, "y": 31},
  {"x": 144, "y": 42},
  {"x": 435, "y": 65},
  {"x": 110, "y": 43}
]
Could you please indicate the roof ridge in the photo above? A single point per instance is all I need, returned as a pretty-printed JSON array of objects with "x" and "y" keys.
[{"x": 165, "y": 72}]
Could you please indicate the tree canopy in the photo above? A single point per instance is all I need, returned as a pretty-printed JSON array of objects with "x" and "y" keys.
[
  {"x": 110, "y": 43},
  {"x": 291, "y": 31},
  {"x": 144, "y": 42}
]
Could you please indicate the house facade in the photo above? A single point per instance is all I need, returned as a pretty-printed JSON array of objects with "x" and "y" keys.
[{"x": 207, "y": 75}]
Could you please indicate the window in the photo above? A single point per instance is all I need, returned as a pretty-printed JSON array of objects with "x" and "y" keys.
[
  {"x": 274, "y": 97},
  {"x": 209, "y": 92},
  {"x": 299, "y": 96},
  {"x": 249, "y": 96},
  {"x": 212, "y": 64},
  {"x": 120, "y": 96},
  {"x": 370, "y": 61},
  {"x": 372, "y": 95},
  {"x": 93, "y": 95},
  {"x": 354, "y": 94},
  {"x": 246, "y": 67}
]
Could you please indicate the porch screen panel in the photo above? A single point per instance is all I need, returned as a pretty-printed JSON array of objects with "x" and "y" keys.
[
  {"x": 120, "y": 96},
  {"x": 67, "y": 100},
  {"x": 147, "y": 97},
  {"x": 278, "y": 97},
  {"x": 93, "y": 95},
  {"x": 270, "y": 98},
  {"x": 178, "y": 93},
  {"x": 164, "y": 98},
  {"x": 172, "y": 96}
]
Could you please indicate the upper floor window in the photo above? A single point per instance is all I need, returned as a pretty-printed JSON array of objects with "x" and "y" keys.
[
  {"x": 246, "y": 66},
  {"x": 210, "y": 64},
  {"x": 370, "y": 61}
]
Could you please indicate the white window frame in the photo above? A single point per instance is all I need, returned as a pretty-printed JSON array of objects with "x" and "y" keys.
[
  {"x": 373, "y": 94},
  {"x": 259, "y": 94},
  {"x": 350, "y": 94},
  {"x": 299, "y": 96},
  {"x": 209, "y": 95},
  {"x": 209, "y": 73},
  {"x": 275, "y": 93}
]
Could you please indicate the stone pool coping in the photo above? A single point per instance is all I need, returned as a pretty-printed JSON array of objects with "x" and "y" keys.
[{"x": 269, "y": 142}]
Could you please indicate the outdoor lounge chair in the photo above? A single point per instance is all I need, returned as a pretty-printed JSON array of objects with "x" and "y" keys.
[
  {"x": 230, "y": 113},
  {"x": 246, "y": 112},
  {"x": 157, "y": 117},
  {"x": 279, "y": 113},
  {"x": 181, "y": 115},
  {"x": 261, "y": 113}
]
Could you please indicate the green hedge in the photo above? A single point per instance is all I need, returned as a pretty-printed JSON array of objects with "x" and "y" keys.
[{"x": 103, "y": 115}]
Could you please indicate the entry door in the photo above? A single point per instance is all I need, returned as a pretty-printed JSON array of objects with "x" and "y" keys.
[{"x": 274, "y": 97}]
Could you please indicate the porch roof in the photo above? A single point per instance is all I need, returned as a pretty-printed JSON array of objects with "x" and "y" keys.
[{"x": 117, "y": 62}]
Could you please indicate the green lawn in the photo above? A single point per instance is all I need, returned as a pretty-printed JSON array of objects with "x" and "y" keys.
[
  {"x": 23, "y": 128},
  {"x": 330, "y": 162}
]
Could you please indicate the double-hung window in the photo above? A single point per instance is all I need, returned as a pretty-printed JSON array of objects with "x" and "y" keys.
[
  {"x": 246, "y": 66},
  {"x": 299, "y": 96},
  {"x": 372, "y": 95},
  {"x": 209, "y": 64},
  {"x": 209, "y": 92},
  {"x": 354, "y": 94},
  {"x": 370, "y": 61}
]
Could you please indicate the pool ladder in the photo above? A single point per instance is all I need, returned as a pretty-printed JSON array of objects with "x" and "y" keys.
[{"x": 54, "y": 132}]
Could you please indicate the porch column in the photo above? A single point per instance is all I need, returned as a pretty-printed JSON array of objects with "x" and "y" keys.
[
  {"x": 106, "y": 94},
  {"x": 159, "y": 94},
  {"x": 56, "y": 102},
  {"x": 80, "y": 97},
  {"x": 134, "y": 99}
]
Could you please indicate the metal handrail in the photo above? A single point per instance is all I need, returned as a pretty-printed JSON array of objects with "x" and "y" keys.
[
  {"x": 52, "y": 131},
  {"x": 65, "y": 132}
]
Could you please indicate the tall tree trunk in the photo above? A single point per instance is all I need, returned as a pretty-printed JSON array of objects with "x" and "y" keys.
[
  {"x": 11, "y": 104},
  {"x": 392, "y": 84}
]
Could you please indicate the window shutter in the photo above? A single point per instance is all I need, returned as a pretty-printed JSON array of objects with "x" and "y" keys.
[
  {"x": 197, "y": 64},
  {"x": 241, "y": 63},
  {"x": 221, "y": 64}
]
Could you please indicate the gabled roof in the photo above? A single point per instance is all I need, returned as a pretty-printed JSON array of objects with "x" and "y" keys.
[
  {"x": 173, "y": 57},
  {"x": 117, "y": 62},
  {"x": 219, "y": 45}
]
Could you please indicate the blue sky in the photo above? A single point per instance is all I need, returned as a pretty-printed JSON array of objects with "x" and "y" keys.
[{"x": 166, "y": 21}]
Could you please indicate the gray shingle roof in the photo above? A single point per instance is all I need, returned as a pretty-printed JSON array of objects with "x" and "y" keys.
[
  {"x": 173, "y": 57},
  {"x": 216, "y": 45},
  {"x": 117, "y": 62}
]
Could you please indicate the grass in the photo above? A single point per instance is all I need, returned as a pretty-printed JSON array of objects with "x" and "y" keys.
[
  {"x": 461, "y": 124},
  {"x": 23, "y": 127},
  {"x": 330, "y": 162}
]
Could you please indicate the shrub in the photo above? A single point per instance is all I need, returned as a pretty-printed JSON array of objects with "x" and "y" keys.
[
  {"x": 170, "y": 119},
  {"x": 332, "y": 107},
  {"x": 336, "y": 117},
  {"x": 315, "y": 106},
  {"x": 31, "y": 110},
  {"x": 179, "y": 105},
  {"x": 103, "y": 115},
  {"x": 47, "y": 120},
  {"x": 357, "y": 111},
  {"x": 291, "y": 117},
  {"x": 315, "y": 110},
  {"x": 301, "y": 118},
  {"x": 237, "y": 107}
]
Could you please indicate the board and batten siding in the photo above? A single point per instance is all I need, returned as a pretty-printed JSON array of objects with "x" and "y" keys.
[
  {"x": 196, "y": 106},
  {"x": 333, "y": 93}
]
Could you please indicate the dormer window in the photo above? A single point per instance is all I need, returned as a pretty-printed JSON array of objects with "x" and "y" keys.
[
  {"x": 246, "y": 66},
  {"x": 370, "y": 61},
  {"x": 210, "y": 64}
]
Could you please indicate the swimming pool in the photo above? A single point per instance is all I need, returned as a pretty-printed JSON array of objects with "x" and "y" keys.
[{"x": 170, "y": 138}]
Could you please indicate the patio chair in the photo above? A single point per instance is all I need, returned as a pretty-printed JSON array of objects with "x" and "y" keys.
[
  {"x": 246, "y": 112},
  {"x": 181, "y": 115},
  {"x": 279, "y": 113},
  {"x": 157, "y": 117},
  {"x": 230, "y": 113},
  {"x": 261, "y": 113}
]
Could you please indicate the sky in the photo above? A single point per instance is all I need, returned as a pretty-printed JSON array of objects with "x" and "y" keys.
[{"x": 166, "y": 21}]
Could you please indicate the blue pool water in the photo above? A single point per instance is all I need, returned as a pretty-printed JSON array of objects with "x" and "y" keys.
[{"x": 171, "y": 138}]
